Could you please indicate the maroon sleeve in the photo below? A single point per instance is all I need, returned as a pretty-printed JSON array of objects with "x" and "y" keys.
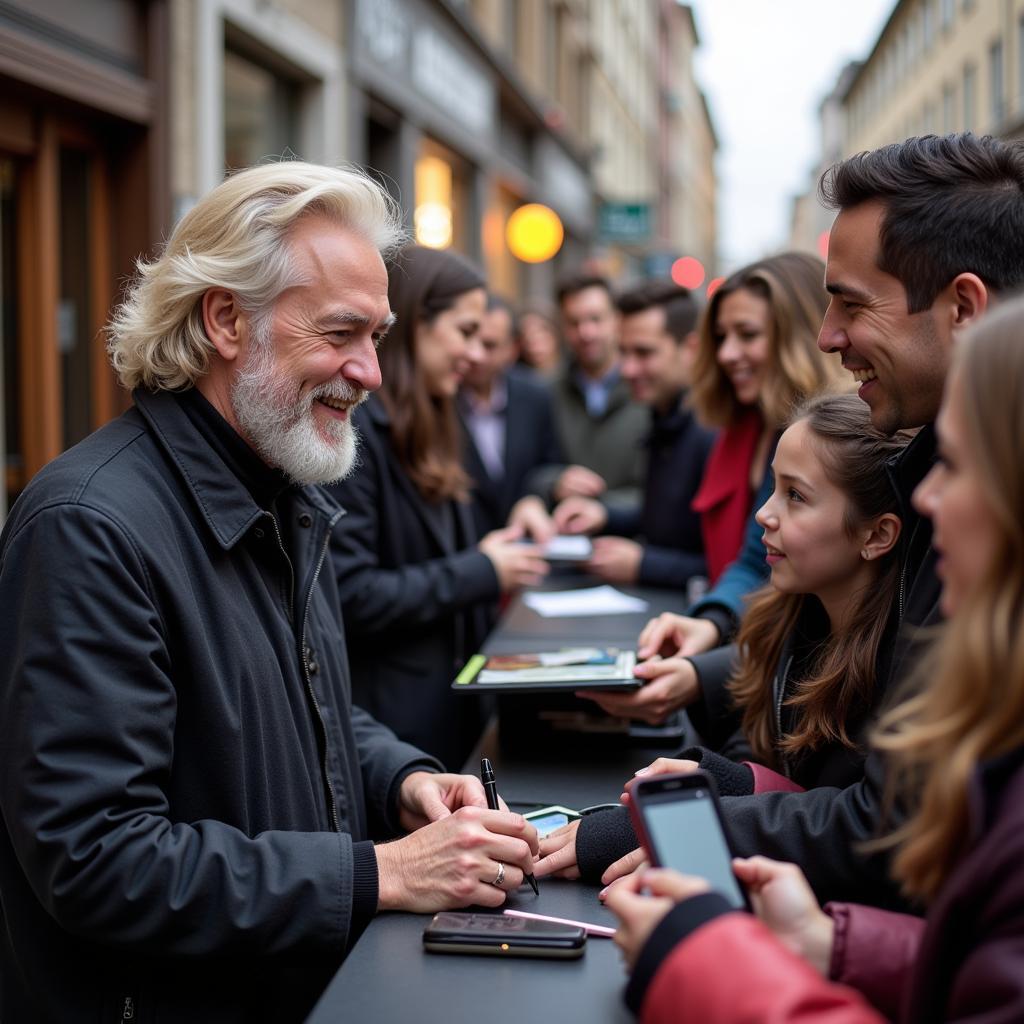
[
  {"x": 767, "y": 781},
  {"x": 874, "y": 951},
  {"x": 734, "y": 970}
]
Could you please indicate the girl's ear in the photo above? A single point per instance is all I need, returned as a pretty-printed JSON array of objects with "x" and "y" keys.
[{"x": 881, "y": 538}]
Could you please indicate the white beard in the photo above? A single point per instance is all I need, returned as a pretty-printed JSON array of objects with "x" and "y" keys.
[{"x": 284, "y": 430}]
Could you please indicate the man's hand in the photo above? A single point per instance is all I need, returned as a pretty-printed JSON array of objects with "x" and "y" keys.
[
  {"x": 615, "y": 560},
  {"x": 531, "y": 517},
  {"x": 425, "y": 797},
  {"x": 516, "y": 565},
  {"x": 578, "y": 480},
  {"x": 783, "y": 900},
  {"x": 671, "y": 635},
  {"x": 453, "y": 861},
  {"x": 580, "y": 515},
  {"x": 673, "y": 685},
  {"x": 638, "y": 914},
  {"x": 558, "y": 853}
]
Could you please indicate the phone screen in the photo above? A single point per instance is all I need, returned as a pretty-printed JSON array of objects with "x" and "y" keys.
[{"x": 686, "y": 835}]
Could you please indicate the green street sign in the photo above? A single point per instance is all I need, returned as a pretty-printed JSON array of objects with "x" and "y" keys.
[{"x": 624, "y": 222}]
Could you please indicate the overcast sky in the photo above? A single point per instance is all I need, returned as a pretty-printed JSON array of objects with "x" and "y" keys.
[{"x": 765, "y": 65}]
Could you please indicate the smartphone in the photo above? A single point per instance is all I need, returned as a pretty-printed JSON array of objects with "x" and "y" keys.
[
  {"x": 679, "y": 822},
  {"x": 496, "y": 935},
  {"x": 546, "y": 819}
]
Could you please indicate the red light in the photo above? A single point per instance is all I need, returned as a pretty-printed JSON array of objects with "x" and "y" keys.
[
  {"x": 713, "y": 285},
  {"x": 688, "y": 272},
  {"x": 823, "y": 245}
]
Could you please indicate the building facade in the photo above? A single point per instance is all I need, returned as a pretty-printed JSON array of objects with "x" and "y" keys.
[
  {"x": 84, "y": 139},
  {"x": 940, "y": 66}
]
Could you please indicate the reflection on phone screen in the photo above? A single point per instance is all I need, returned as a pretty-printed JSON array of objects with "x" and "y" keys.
[
  {"x": 548, "y": 823},
  {"x": 687, "y": 837}
]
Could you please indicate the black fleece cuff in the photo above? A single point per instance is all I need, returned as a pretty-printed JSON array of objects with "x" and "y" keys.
[
  {"x": 732, "y": 779},
  {"x": 680, "y": 922},
  {"x": 601, "y": 839},
  {"x": 365, "y": 887},
  {"x": 723, "y": 619}
]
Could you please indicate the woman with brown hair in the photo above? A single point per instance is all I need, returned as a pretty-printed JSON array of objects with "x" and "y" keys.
[
  {"x": 956, "y": 754},
  {"x": 417, "y": 588},
  {"x": 758, "y": 359}
]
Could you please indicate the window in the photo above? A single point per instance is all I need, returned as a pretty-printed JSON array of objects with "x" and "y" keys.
[
  {"x": 948, "y": 108},
  {"x": 260, "y": 112},
  {"x": 928, "y": 24},
  {"x": 969, "y": 85},
  {"x": 997, "y": 108},
  {"x": 947, "y": 12}
]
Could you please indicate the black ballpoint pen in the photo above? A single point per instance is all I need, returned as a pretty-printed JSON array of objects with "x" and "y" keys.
[{"x": 491, "y": 789}]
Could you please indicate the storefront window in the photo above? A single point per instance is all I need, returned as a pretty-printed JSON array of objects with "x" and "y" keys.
[
  {"x": 260, "y": 112},
  {"x": 440, "y": 215}
]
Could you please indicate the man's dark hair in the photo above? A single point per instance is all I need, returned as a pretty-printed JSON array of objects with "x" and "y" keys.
[
  {"x": 576, "y": 283},
  {"x": 680, "y": 305},
  {"x": 496, "y": 302},
  {"x": 953, "y": 204}
]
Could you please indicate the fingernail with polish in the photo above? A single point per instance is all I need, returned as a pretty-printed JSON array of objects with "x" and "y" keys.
[{"x": 641, "y": 771}]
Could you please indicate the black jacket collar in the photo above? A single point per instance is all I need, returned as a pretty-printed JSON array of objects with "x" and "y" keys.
[{"x": 224, "y": 501}]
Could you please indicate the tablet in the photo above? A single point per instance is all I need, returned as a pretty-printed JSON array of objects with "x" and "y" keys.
[{"x": 574, "y": 668}]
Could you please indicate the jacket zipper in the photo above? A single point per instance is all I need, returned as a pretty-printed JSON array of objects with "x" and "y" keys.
[
  {"x": 780, "y": 696},
  {"x": 311, "y": 693},
  {"x": 128, "y": 1009},
  {"x": 332, "y": 803}
]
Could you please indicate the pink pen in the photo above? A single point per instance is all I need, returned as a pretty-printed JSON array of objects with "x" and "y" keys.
[{"x": 597, "y": 930}]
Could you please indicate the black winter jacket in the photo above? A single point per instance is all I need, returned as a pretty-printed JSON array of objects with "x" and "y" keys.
[
  {"x": 185, "y": 788},
  {"x": 678, "y": 448},
  {"x": 417, "y": 601},
  {"x": 822, "y": 829}
]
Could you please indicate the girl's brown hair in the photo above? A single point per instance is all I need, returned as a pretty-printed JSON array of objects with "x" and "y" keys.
[
  {"x": 423, "y": 283},
  {"x": 969, "y": 688},
  {"x": 792, "y": 284},
  {"x": 841, "y": 681}
]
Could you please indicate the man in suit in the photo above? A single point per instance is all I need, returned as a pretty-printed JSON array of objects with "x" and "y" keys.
[
  {"x": 600, "y": 427},
  {"x": 510, "y": 428},
  {"x": 659, "y": 543}
]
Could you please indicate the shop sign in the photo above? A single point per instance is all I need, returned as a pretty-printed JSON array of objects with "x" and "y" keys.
[{"x": 629, "y": 223}]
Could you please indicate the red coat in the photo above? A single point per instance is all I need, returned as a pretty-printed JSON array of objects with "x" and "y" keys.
[{"x": 965, "y": 962}]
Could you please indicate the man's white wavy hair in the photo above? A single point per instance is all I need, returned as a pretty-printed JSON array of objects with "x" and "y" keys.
[{"x": 235, "y": 238}]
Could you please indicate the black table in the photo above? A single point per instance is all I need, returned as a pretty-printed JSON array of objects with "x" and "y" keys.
[{"x": 388, "y": 979}]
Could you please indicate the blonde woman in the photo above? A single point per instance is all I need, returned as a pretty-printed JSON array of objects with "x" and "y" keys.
[{"x": 957, "y": 759}]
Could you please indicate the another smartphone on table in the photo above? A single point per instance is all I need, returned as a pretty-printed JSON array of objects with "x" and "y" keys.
[
  {"x": 678, "y": 820},
  {"x": 496, "y": 935}
]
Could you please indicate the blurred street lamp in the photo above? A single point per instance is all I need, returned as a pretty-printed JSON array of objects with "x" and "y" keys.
[{"x": 534, "y": 233}]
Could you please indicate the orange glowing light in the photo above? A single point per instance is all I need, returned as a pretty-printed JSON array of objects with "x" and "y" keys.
[
  {"x": 713, "y": 285},
  {"x": 534, "y": 233}
]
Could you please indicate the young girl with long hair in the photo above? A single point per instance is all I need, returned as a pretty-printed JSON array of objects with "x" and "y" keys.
[
  {"x": 417, "y": 587},
  {"x": 956, "y": 759}
]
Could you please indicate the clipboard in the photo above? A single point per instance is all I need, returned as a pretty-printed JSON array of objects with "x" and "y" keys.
[{"x": 571, "y": 668}]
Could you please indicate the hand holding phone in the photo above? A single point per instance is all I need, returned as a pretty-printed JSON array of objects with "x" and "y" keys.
[
  {"x": 679, "y": 822},
  {"x": 497, "y": 935}
]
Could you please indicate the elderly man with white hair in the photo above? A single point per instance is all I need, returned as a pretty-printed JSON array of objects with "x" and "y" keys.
[{"x": 189, "y": 799}]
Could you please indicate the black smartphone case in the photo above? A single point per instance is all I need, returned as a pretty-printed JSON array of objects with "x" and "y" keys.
[{"x": 497, "y": 935}]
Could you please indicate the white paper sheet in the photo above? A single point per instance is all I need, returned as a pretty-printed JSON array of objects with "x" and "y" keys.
[{"x": 604, "y": 600}]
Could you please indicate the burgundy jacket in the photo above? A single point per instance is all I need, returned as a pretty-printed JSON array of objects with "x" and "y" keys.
[{"x": 965, "y": 962}]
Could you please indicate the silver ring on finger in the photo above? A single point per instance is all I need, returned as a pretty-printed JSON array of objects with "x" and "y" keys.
[{"x": 500, "y": 876}]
